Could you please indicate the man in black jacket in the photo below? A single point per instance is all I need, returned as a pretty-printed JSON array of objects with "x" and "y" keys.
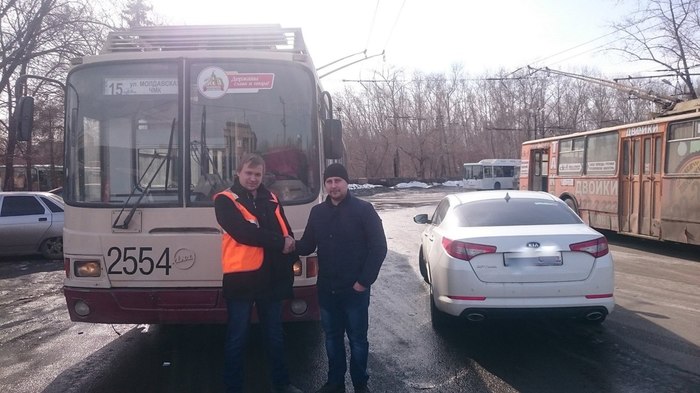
[
  {"x": 256, "y": 270},
  {"x": 351, "y": 248}
]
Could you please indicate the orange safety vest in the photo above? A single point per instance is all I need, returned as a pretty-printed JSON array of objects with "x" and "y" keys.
[{"x": 239, "y": 257}]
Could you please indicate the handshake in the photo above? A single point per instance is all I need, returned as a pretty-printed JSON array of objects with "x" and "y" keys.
[{"x": 289, "y": 245}]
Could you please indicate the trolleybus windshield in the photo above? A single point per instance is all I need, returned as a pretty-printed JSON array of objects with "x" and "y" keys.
[{"x": 120, "y": 137}]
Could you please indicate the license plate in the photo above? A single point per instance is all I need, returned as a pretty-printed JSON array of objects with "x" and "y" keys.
[{"x": 517, "y": 260}]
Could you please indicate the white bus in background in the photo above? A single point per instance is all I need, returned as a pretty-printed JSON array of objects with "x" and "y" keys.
[{"x": 491, "y": 174}]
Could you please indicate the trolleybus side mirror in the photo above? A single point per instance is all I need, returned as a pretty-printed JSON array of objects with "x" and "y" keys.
[
  {"x": 24, "y": 118},
  {"x": 333, "y": 139}
]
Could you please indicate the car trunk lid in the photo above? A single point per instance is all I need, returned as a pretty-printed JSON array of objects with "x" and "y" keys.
[{"x": 532, "y": 254}]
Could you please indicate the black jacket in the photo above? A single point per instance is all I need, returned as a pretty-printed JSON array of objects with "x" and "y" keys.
[
  {"x": 351, "y": 243},
  {"x": 275, "y": 277}
]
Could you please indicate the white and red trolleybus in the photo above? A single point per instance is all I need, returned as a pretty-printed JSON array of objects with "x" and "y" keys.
[
  {"x": 155, "y": 126},
  {"x": 639, "y": 179}
]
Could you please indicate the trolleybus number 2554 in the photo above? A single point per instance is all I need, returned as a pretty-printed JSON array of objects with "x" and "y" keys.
[{"x": 130, "y": 260}]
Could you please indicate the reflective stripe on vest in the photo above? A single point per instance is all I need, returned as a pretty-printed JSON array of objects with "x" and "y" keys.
[{"x": 238, "y": 257}]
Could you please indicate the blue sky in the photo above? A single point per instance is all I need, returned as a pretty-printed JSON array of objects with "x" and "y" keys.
[{"x": 432, "y": 35}]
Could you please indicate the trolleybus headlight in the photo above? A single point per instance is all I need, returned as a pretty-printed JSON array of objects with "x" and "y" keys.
[
  {"x": 298, "y": 306},
  {"x": 87, "y": 268},
  {"x": 297, "y": 268},
  {"x": 81, "y": 308}
]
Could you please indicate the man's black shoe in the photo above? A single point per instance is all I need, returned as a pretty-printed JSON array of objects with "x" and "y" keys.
[
  {"x": 331, "y": 388},
  {"x": 362, "y": 389}
]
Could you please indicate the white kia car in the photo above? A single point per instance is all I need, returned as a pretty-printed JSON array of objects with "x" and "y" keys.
[{"x": 492, "y": 254}]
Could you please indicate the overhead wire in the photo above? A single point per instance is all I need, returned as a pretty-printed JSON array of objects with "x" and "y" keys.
[
  {"x": 396, "y": 21},
  {"x": 616, "y": 30},
  {"x": 606, "y": 44},
  {"x": 371, "y": 27}
]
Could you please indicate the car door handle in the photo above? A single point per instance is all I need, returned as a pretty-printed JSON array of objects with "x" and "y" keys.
[
  {"x": 430, "y": 238},
  {"x": 43, "y": 219}
]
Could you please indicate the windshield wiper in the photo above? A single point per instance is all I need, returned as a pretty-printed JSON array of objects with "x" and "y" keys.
[{"x": 127, "y": 220}]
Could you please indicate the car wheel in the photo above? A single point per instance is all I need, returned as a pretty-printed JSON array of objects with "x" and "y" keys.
[
  {"x": 497, "y": 186},
  {"x": 439, "y": 319},
  {"x": 422, "y": 267},
  {"x": 52, "y": 248}
]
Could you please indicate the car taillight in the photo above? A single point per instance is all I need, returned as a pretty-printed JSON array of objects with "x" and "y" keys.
[
  {"x": 464, "y": 250},
  {"x": 597, "y": 247}
]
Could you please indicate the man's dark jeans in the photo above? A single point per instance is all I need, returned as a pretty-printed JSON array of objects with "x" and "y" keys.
[
  {"x": 342, "y": 313},
  {"x": 270, "y": 316}
]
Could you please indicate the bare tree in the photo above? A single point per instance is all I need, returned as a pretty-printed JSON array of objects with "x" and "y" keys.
[
  {"x": 39, "y": 37},
  {"x": 665, "y": 33}
]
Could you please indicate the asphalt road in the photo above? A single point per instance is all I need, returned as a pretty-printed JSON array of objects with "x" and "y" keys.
[{"x": 650, "y": 343}]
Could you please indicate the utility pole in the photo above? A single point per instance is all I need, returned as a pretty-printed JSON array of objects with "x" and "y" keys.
[{"x": 397, "y": 162}]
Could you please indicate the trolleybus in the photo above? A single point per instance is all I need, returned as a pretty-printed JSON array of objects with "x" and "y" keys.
[
  {"x": 491, "y": 174},
  {"x": 155, "y": 126},
  {"x": 640, "y": 179}
]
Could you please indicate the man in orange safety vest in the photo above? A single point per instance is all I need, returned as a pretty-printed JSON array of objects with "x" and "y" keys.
[{"x": 257, "y": 267}]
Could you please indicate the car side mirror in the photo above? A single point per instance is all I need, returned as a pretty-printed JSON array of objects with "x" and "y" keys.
[
  {"x": 333, "y": 139},
  {"x": 421, "y": 219},
  {"x": 24, "y": 118}
]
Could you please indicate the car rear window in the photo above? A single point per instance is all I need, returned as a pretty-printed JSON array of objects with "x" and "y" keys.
[{"x": 520, "y": 211}]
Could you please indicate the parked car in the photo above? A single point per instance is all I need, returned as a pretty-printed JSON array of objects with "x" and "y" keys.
[
  {"x": 495, "y": 254},
  {"x": 31, "y": 222}
]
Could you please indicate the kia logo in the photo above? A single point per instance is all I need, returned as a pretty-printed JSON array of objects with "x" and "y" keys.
[{"x": 533, "y": 245}]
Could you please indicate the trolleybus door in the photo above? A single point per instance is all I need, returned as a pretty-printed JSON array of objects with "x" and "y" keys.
[
  {"x": 650, "y": 201},
  {"x": 539, "y": 171},
  {"x": 641, "y": 185},
  {"x": 629, "y": 199}
]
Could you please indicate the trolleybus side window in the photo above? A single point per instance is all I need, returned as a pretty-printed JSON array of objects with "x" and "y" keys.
[
  {"x": 635, "y": 157},
  {"x": 626, "y": 157},
  {"x": 601, "y": 154},
  {"x": 571, "y": 156},
  {"x": 683, "y": 147},
  {"x": 657, "y": 156}
]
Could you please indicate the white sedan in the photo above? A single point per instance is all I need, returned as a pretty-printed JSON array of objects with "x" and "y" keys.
[
  {"x": 513, "y": 253},
  {"x": 31, "y": 222}
]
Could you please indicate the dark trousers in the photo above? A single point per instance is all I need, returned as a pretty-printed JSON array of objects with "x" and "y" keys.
[
  {"x": 343, "y": 313},
  {"x": 270, "y": 316}
]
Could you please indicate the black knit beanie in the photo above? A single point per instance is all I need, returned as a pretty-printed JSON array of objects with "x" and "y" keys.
[{"x": 336, "y": 170}]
